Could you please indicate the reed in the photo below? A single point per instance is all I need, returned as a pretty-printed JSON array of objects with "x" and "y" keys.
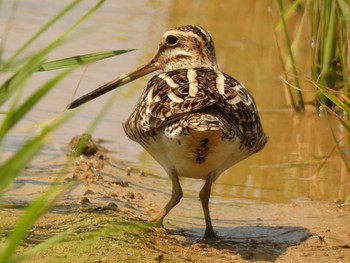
[
  {"x": 299, "y": 105},
  {"x": 15, "y": 108},
  {"x": 326, "y": 23},
  {"x": 323, "y": 28}
]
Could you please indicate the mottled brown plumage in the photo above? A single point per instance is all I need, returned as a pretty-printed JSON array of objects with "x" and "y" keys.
[{"x": 193, "y": 119}]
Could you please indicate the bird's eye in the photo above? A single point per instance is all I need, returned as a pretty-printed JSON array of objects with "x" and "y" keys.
[{"x": 171, "y": 40}]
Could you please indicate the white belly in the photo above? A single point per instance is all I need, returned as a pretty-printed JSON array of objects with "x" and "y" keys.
[{"x": 196, "y": 155}]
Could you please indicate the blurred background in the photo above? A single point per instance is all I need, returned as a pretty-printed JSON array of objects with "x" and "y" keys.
[{"x": 302, "y": 157}]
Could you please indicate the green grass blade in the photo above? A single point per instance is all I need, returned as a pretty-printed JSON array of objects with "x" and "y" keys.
[
  {"x": 44, "y": 245},
  {"x": 40, "y": 32},
  {"x": 301, "y": 106},
  {"x": 7, "y": 29},
  {"x": 329, "y": 48},
  {"x": 81, "y": 60},
  {"x": 34, "y": 211},
  {"x": 20, "y": 78},
  {"x": 16, "y": 114},
  {"x": 344, "y": 7},
  {"x": 84, "y": 17},
  {"x": 289, "y": 12},
  {"x": 332, "y": 97},
  {"x": 344, "y": 41},
  {"x": 347, "y": 200},
  {"x": 11, "y": 168},
  {"x": 14, "y": 83},
  {"x": 342, "y": 155},
  {"x": 343, "y": 122}
]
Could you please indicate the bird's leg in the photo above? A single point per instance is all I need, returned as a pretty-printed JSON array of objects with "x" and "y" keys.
[
  {"x": 174, "y": 200},
  {"x": 204, "y": 196}
]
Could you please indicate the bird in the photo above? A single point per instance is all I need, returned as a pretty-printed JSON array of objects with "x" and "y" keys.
[{"x": 193, "y": 119}]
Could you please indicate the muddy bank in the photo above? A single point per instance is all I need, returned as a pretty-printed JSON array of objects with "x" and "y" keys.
[
  {"x": 97, "y": 234},
  {"x": 103, "y": 220}
]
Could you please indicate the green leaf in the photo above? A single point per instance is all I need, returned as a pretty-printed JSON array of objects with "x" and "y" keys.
[
  {"x": 344, "y": 7},
  {"x": 289, "y": 12},
  {"x": 20, "y": 78},
  {"x": 329, "y": 40},
  {"x": 81, "y": 60},
  {"x": 332, "y": 97}
]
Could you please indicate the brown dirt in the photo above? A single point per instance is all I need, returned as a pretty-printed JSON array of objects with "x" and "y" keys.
[{"x": 103, "y": 218}]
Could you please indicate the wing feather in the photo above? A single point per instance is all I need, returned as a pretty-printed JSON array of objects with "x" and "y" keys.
[{"x": 204, "y": 90}]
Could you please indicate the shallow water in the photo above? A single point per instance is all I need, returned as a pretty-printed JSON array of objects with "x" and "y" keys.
[{"x": 300, "y": 159}]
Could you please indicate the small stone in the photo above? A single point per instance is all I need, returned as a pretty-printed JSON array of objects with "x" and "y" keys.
[
  {"x": 85, "y": 201},
  {"x": 139, "y": 196},
  {"x": 159, "y": 258},
  {"x": 120, "y": 183},
  {"x": 130, "y": 195},
  {"x": 110, "y": 206},
  {"x": 70, "y": 179},
  {"x": 67, "y": 180},
  {"x": 89, "y": 192}
]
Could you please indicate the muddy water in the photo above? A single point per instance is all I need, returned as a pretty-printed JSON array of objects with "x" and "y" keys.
[{"x": 300, "y": 159}]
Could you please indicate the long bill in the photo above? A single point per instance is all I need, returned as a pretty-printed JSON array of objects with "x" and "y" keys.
[{"x": 113, "y": 84}]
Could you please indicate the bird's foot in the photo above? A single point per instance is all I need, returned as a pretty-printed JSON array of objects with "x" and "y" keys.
[
  {"x": 210, "y": 234},
  {"x": 155, "y": 222}
]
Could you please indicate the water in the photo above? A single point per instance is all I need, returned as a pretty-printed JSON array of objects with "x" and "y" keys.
[{"x": 301, "y": 158}]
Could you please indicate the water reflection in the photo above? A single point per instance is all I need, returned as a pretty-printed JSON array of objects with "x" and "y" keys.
[
  {"x": 300, "y": 158},
  {"x": 299, "y": 161}
]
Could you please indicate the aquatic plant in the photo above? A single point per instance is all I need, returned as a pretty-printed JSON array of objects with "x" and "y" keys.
[
  {"x": 15, "y": 106},
  {"x": 322, "y": 29}
]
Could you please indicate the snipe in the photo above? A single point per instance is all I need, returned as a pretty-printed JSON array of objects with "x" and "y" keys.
[{"x": 193, "y": 119}]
